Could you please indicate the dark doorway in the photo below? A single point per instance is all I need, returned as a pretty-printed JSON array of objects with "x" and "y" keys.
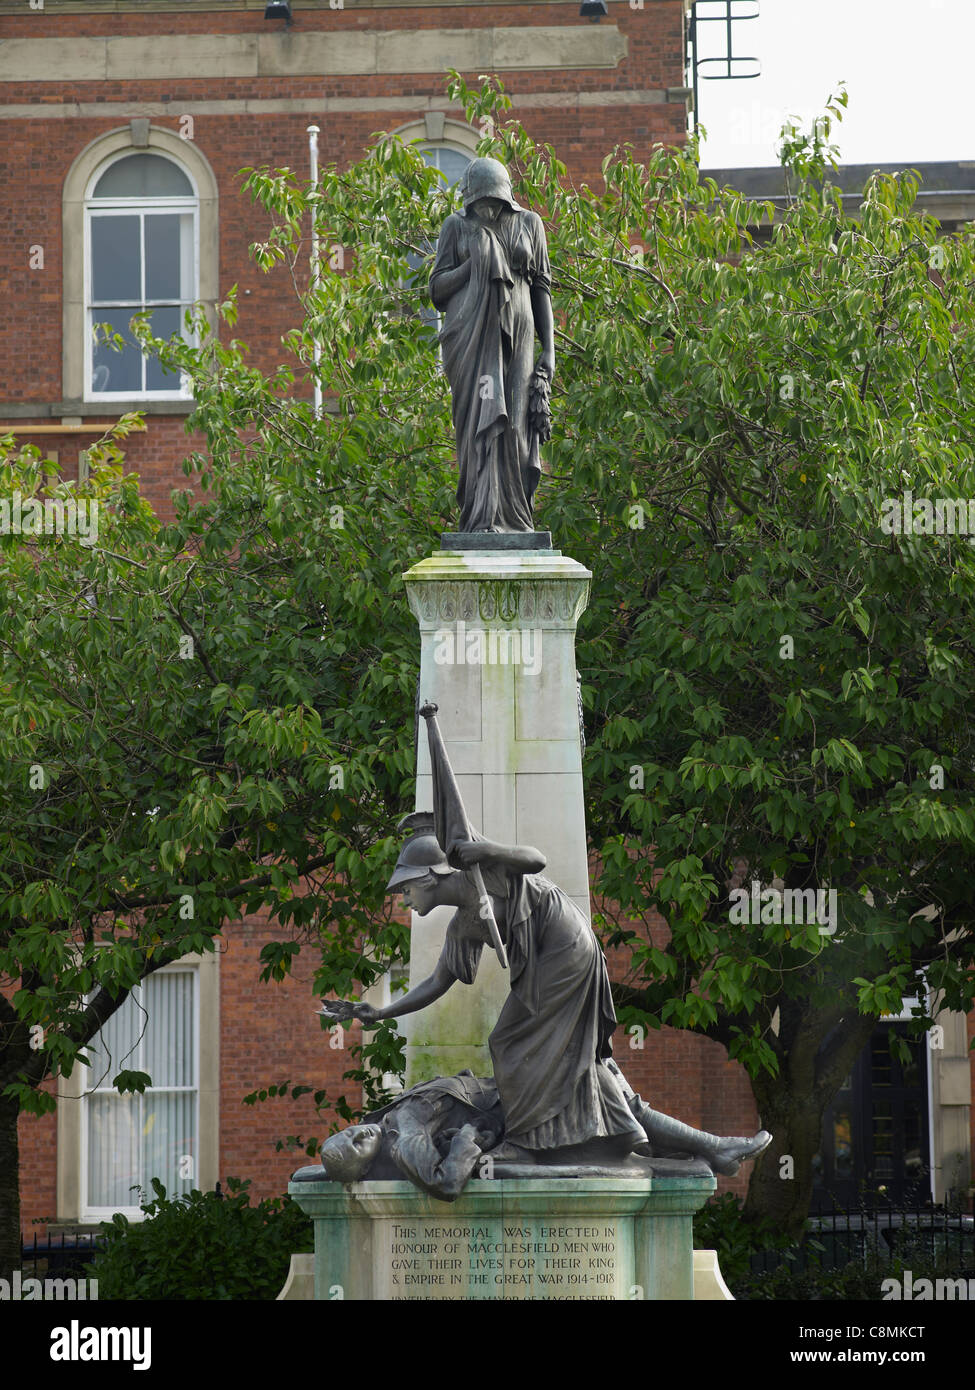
[{"x": 875, "y": 1134}]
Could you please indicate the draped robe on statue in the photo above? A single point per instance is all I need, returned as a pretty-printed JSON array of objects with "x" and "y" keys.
[
  {"x": 553, "y": 1035},
  {"x": 488, "y": 346}
]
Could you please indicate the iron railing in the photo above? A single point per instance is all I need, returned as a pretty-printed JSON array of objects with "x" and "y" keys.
[{"x": 839, "y": 1234}]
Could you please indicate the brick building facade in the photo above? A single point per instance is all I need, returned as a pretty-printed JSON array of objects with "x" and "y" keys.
[{"x": 82, "y": 83}]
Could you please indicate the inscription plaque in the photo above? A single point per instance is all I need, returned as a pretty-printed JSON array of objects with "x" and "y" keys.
[{"x": 518, "y": 1260}]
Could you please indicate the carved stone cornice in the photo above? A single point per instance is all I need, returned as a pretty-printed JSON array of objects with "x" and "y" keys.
[
  {"x": 530, "y": 590},
  {"x": 500, "y": 602}
]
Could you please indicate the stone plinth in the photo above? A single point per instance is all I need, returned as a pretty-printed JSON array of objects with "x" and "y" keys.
[
  {"x": 493, "y": 540},
  {"x": 497, "y": 633},
  {"x": 532, "y": 1238}
]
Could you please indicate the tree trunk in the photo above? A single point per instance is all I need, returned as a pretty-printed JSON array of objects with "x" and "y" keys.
[
  {"x": 796, "y": 1125},
  {"x": 792, "y": 1105},
  {"x": 9, "y": 1189}
]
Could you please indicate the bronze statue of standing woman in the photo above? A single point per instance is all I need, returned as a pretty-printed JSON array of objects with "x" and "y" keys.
[{"x": 491, "y": 281}]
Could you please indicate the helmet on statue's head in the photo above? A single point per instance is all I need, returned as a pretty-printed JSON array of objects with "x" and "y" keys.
[
  {"x": 487, "y": 178},
  {"x": 421, "y": 853}
]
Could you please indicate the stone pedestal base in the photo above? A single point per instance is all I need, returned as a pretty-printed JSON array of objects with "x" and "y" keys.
[{"x": 526, "y": 1238}]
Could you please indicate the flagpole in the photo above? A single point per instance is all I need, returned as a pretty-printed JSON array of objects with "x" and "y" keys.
[
  {"x": 445, "y": 788},
  {"x": 316, "y": 267}
]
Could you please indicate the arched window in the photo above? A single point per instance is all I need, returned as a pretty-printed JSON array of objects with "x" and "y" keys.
[
  {"x": 451, "y": 162},
  {"x": 140, "y": 232},
  {"x": 141, "y": 217}
]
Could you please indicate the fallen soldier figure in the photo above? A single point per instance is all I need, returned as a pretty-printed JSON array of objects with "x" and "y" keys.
[{"x": 437, "y": 1134}]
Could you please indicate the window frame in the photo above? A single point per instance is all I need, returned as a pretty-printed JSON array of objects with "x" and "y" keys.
[
  {"x": 137, "y": 137},
  {"x": 105, "y": 207},
  {"x": 88, "y": 1212},
  {"x": 72, "y": 1151}
]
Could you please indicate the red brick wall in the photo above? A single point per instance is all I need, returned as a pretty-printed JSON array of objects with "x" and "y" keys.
[
  {"x": 38, "y": 154},
  {"x": 269, "y": 1033},
  {"x": 38, "y": 1171}
]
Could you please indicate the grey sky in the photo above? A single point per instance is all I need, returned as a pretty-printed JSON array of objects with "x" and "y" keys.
[{"x": 906, "y": 65}]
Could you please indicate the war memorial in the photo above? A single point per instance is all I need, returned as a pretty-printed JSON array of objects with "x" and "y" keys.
[{"x": 518, "y": 1163}]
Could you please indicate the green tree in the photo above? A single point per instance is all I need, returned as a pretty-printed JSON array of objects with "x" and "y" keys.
[
  {"x": 197, "y": 721},
  {"x": 730, "y": 417},
  {"x": 778, "y": 688}
]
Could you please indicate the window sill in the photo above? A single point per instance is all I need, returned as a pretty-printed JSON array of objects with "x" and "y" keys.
[
  {"x": 135, "y": 1215},
  {"x": 125, "y": 405},
  {"x": 38, "y": 410},
  {"x": 82, "y": 1227}
]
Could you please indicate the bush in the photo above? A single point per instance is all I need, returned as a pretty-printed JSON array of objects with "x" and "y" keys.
[
  {"x": 202, "y": 1246},
  {"x": 858, "y": 1281},
  {"x": 719, "y": 1226}
]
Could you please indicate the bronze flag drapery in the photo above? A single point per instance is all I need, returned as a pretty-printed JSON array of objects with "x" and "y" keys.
[{"x": 451, "y": 823}]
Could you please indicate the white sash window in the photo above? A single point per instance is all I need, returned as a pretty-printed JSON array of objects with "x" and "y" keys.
[
  {"x": 129, "y": 1139},
  {"x": 141, "y": 254}
]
